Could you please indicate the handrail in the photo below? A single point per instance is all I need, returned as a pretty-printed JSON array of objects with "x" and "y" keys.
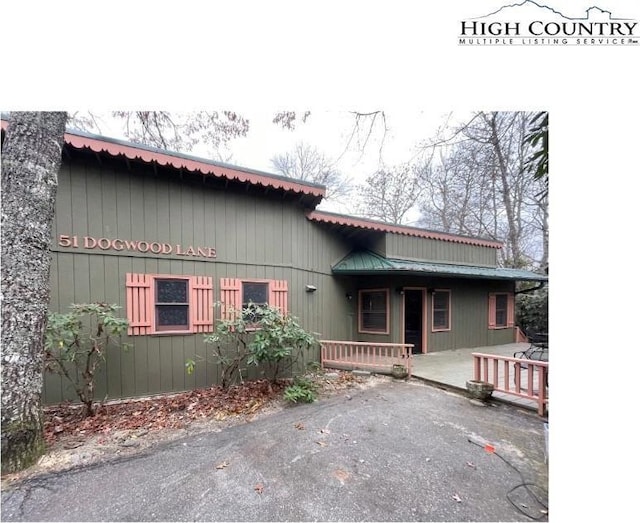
[
  {"x": 366, "y": 354},
  {"x": 521, "y": 337},
  {"x": 495, "y": 369},
  {"x": 368, "y": 343}
]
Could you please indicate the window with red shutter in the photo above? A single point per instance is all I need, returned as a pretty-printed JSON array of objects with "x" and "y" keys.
[
  {"x": 239, "y": 294},
  {"x": 169, "y": 304},
  {"x": 501, "y": 310}
]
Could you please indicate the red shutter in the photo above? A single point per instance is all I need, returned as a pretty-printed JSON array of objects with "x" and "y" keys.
[
  {"x": 201, "y": 304},
  {"x": 278, "y": 291},
  {"x": 492, "y": 311},
  {"x": 511, "y": 309},
  {"x": 139, "y": 303},
  {"x": 231, "y": 297}
]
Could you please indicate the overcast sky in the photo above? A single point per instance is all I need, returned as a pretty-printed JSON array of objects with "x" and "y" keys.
[
  {"x": 394, "y": 141},
  {"x": 330, "y": 131}
]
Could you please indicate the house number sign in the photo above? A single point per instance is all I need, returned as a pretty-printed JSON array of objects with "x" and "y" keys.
[{"x": 116, "y": 244}]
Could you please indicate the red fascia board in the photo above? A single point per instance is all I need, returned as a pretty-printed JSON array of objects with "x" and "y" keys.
[
  {"x": 135, "y": 153},
  {"x": 351, "y": 221}
]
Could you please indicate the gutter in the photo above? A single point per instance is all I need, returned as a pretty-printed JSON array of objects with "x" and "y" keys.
[{"x": 532, "y": 289}]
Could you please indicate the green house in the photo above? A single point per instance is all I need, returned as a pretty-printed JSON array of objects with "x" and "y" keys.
[{"x": 167, "y": 235}]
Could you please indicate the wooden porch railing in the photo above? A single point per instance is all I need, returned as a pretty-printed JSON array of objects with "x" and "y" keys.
[
  {"x": 521, "y": 336},
  {"x": 514, "y": 376},
  {"x": 366, "y": 355}
]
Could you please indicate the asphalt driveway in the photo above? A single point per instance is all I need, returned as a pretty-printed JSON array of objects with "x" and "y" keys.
[{"x": 399, "y": 451}]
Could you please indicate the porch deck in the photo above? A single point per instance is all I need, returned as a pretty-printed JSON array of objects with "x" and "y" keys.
[{"x": 453, "y": 368}]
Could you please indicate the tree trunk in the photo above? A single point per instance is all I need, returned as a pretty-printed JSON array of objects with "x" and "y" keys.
[
  {"x": 544, "y": 263},
  {"x": 513, "y": 235},
  {"x": 31, "y": 157}
]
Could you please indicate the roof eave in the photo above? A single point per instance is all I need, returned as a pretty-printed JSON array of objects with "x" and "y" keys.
[
  {"x": 374, "y": 272},
  {"x": 356, "y": 222},
  {"x": 131, "y": 151}
]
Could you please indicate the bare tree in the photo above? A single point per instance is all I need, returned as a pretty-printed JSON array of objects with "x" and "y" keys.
[
  {"x": 173, "y": 131},
  {"x": 481, "y": 187},
  {"x": 31, "y": 157},
  {"x": 307, "y": 163},
  {"x": 289, "y": 119},
  {"x": 390, "y": 193},
  {"x": 455, "y": 200}
]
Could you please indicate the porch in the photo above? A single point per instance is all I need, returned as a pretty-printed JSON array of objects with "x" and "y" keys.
[{"x": 452, "y": 368}]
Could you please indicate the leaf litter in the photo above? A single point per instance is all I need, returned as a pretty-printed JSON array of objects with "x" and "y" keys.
[{"x": 118, "y": 428}]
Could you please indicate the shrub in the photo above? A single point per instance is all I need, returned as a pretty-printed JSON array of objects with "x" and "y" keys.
[
  {"x": 532, "y": 311},
  {"x": 76, "y": 344},
  {"x": 258, "y": 335},
  {"x": 303, "y": 389},
  {"x": 279, "y": 341}
]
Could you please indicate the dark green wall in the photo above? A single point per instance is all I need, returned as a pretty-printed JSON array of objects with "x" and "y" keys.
[
  {"x": 412, "y": 248},
  {"x": 469, "y": 311},
  {"x": 256, "y": 234},
  {"x": 272, "y": 238}
]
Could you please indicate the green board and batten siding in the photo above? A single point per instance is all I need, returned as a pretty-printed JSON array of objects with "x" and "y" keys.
[
  {"x": 271, "y": 237},
  {"x": 469, "y": 311},
  {"x": 429, "y": 250}
]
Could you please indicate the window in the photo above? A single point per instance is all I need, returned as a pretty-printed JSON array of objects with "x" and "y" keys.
[
  {"x": 169, "y": 304},
  {"x": 501, "y": 310},
  {"x": 373, "y": 311},
  {"x": 172, "y": 304},
  {"x": 441, "y": 310},
  {"x": 237, "y": 294},
  {"x": 254, "y": 294}
]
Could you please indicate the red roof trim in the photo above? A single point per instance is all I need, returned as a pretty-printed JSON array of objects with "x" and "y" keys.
[
  {"x": 361, "y": 223},
  {"x": 132, "y": 152}
]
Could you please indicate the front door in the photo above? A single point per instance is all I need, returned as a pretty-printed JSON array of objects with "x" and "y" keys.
[{"x": 414, "y": 318}]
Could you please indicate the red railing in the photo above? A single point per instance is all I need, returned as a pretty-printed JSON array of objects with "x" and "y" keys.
[
  {"x": 514, "y": 376},
  {"x": 366, "y": 355},
  {"x": 521, "y": 336}
]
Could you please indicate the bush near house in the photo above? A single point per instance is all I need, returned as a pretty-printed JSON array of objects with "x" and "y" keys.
[
  {"x": 257, "y": 335},
  {"x": 76, "y": 343},
  {"x": 303, "y": 389},
  {"x": 532, "y": 311}
]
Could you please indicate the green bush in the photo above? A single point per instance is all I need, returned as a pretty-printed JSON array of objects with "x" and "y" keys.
[
  {"x": 258, "y": 335},
  {"x": 75, "y": 345},
  {"x": 532, "y": 311},
  {"x": 302, "y": 390},
  {"x": 278, "y": 342}
]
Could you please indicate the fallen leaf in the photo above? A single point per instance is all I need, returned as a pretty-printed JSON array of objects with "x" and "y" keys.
[
  {"x": 222, "y": 465},
  {"x": 456, "y": 498},
  {"x": 299, "y": 426},
  {"x": 259, "y": 488},
  {"x": 341, "y": 475},
  {"x": 321, "y": 443}
]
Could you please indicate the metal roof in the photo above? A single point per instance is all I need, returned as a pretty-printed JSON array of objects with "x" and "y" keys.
[
  {"x": 134, "y": 151},
  {"x": 367, "y": 262},
  {"x": 354, "y": 222}
]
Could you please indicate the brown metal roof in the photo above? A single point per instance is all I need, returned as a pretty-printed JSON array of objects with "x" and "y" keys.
[
  {"x": 363, "y": 223},
  {"x": 102, "y": 145}
]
